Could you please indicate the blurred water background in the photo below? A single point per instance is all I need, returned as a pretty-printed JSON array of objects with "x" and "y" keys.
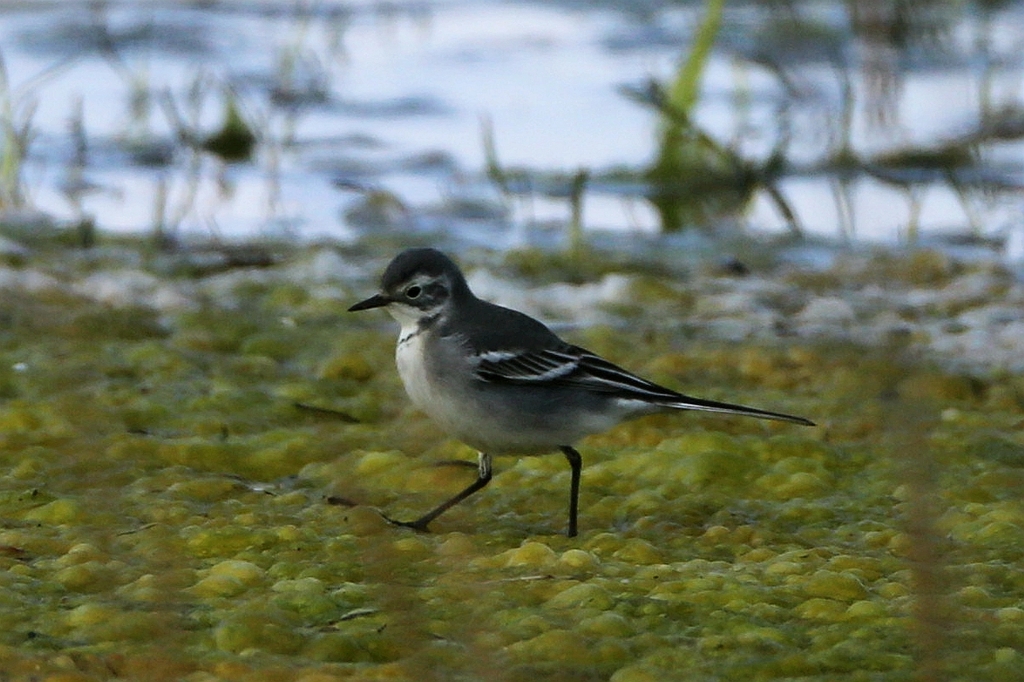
[{"x": 507, "y": 123}]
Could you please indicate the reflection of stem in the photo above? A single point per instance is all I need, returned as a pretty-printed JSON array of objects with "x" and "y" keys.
[
  {"x": 75, "y": 184},
  {"x": 140, "y": 100},
  {"x": 496, "y": 173},
  {"x": 161, "y": 231},
  {"x": 576, "y": 241},
  {"x": 844, "y": 206},
  {"x": 186, "y": 204},
  {"x": 186, "y": 127},
  {"x": 167, "y": 223},
  {"x": 289, "y": 129},
  {"x": 272, "y": 164},
  {"x": 771, "y": 170},
  {"x": 742, "y": 105},
  {"x": 914, "y": 219},
  {"x": 783, "y": 207},
  {"x": 973, "y": 222}
]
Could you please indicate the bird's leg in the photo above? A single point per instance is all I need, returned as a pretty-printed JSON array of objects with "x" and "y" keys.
[
  {"x": 483, "y": 478},
  {"x": 576, "y": 463}
]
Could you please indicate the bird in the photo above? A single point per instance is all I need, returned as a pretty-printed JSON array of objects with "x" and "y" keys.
[{"x": 502, "y": 382}]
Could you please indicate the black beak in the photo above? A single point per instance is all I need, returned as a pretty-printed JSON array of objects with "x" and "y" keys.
[{"x": 375, "y": 301}]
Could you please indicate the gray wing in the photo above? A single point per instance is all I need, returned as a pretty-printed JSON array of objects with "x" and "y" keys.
[
  {"x": 568, "y": 366},
  {"x": 572, "y": 366},
  {"x": 537, "y": 357}
]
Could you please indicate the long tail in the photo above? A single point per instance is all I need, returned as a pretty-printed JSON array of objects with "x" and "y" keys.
[{"x": 685, "y": 402}]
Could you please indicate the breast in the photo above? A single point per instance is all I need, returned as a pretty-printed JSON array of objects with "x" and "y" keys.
[
  {"x": 412, "y": 369},
  {"x": 448, "y": 396},
  {"x": 438, "y": 387}
]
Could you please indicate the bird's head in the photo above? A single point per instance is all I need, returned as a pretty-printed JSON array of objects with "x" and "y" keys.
[{"x": 418, "y": 284}]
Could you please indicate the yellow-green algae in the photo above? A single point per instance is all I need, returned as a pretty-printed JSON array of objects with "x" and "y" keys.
[{"x": 167, "y": 512}]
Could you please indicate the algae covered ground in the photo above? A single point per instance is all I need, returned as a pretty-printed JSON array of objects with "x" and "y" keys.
[{"x": 192, "y": 464}]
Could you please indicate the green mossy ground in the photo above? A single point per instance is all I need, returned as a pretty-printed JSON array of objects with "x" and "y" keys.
[{"x": 167, "y": 511}]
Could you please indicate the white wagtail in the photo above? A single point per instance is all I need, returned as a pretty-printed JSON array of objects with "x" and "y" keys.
[{"x": 502, "y": 382}]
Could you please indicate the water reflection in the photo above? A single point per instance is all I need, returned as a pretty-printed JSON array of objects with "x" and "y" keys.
[{"x": 881, "y": 120}]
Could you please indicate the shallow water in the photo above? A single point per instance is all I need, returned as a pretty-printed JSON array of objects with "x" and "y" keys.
[{"x": 352, "y": 97}]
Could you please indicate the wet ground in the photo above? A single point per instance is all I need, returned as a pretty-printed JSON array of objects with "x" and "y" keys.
[{"x": 194, "y": 460}]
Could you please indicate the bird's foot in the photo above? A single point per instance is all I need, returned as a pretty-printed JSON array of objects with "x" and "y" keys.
[{"x": 418, "y": 525}]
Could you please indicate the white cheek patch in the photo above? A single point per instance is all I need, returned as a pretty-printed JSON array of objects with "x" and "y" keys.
[{"x": 406, "y": 315}]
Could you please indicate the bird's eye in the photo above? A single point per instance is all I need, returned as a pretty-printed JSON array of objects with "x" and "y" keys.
[{"x": 413, "y": 292}]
